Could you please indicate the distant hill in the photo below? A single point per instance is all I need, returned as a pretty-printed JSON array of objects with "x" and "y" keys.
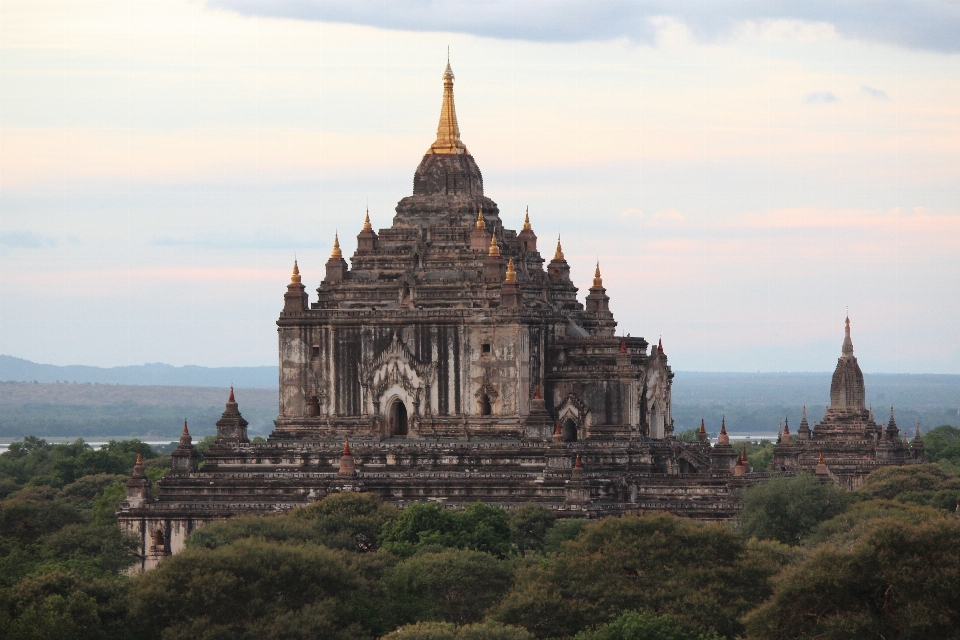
[
  {"x": 123, "y": 411},
  {"x": 758, "y": 402},
  {"x": 152, "y": 400},
  {"x": 19, "y": 370}
]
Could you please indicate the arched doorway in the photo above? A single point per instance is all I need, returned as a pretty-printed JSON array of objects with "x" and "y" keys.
[
  {"x": 485, "y": 408},
  {"x": 398, "y": 418},
  {"x": 569, "y": 430}
]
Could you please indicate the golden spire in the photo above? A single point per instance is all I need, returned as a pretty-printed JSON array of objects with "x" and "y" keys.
[
  {"x": 336, "y": 254},
  {"x": 558, "y": 254},
  {"x": 366, "y": 222},
  {"x": 597, "y": 280},
  {"x": 526, "y": 220},
  {"x": 511, "y": 273},
  {"x": 295, "y": 278},
  {"x": 494, "y": 247},
  {"x": 448, "y": 131},
  {"x": 480, "y": 223}
]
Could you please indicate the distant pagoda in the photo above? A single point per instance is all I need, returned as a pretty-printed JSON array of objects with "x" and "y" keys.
[{"x": 848, "y": 442}]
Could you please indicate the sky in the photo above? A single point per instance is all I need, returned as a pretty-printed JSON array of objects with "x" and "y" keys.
[{"x": 745, "y": 172}]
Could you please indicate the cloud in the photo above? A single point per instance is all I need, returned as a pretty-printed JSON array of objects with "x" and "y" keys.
[
  {"x": 23, "y": 239},
  {"x": 259, "y": 239},
  {"x": 822, "y": 96},
  {"x": 916, "y": 24},
  {"x": 874, "y": 93},
  {"x": 668, "y": 215}
]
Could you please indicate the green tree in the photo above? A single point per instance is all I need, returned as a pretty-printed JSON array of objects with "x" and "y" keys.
[
  {"x": 923, "y": 484},
  {"x": 35, "y": 461},
  {"x": 454, "y": 585},
  {"x": 644, "y": 626},
  {"x": 561, "y": 531},
  {"x": 942, "y": 443},
  {"x": 706, "y": 575},
  {"x": 759, "y": 454},
  {"x": 897, "y": 581},
  {"x": 487, "y": 630},
  {"x": 349, "y": 521},
  {"x": 787, "y": 509},
  {"x": 430, "y": 525},
  {"x": 34, "y": 512},
  {"x": 254, "y": 588},
  {"x": 64, "y": 602},
  {"x": 529, "y": 524},
  {"x": 846, "y": 528}
]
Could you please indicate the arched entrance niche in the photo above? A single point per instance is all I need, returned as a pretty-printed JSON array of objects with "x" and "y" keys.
[
  {"x": 397, "y": 418},
  {"x": 485, "y": 407},
  {"x": 568, "y": 429}
]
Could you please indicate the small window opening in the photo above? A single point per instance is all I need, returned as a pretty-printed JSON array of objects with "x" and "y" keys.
[
  {"x": 398, "y": 418},
  {"x": 486, "y": 347},
  {"x": 485, "y": 409}
]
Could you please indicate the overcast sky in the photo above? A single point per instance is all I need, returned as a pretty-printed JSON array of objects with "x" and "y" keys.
[{"x": 743, "y": 171}]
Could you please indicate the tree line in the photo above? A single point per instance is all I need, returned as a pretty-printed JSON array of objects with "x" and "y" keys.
[{"x": 806, "y": 559}]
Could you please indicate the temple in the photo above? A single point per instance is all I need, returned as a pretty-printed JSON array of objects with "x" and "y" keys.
[
  {"x": 450, "y": 361},
  {"x": 848, "y": 444}
]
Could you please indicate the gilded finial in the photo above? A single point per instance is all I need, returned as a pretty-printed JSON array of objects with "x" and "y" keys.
[
  {"x": 480, "y": 223},
  {"x": 511, "y": 273},
  {"x": 494, "y": 247},
  {"x": 139, "y": 459},
  {"x": 336, "y": 254},
  {"x": 526, "y": 220},
  {"x": 558, "y": 254},
  {"x": 295, "y": 277},
  {"x": 366, "y": 222},
  {"x": 597, "y": 280},
  {"x": 448, "y": 131}
]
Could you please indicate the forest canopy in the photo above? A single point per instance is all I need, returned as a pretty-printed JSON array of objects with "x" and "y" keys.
[{"x": 806, "y": 559}]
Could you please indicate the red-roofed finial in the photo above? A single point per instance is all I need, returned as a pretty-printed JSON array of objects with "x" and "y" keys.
[
  {"x": 723, "y": 426},
  {"x": 558, "y": 429},
  {"x": 577, "y": 464},
  {"x": 660, "y": 347},
  {"x": 186, "y": 431},
  {"x": 623, "y": 345},
  {"x": 703, "y": 429},
  {"x": 786, "y": 426},
  {"x": 537, "y": 394},
  {"x": 231, "y": 399},
  {"x": 346, "y": 448}
]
